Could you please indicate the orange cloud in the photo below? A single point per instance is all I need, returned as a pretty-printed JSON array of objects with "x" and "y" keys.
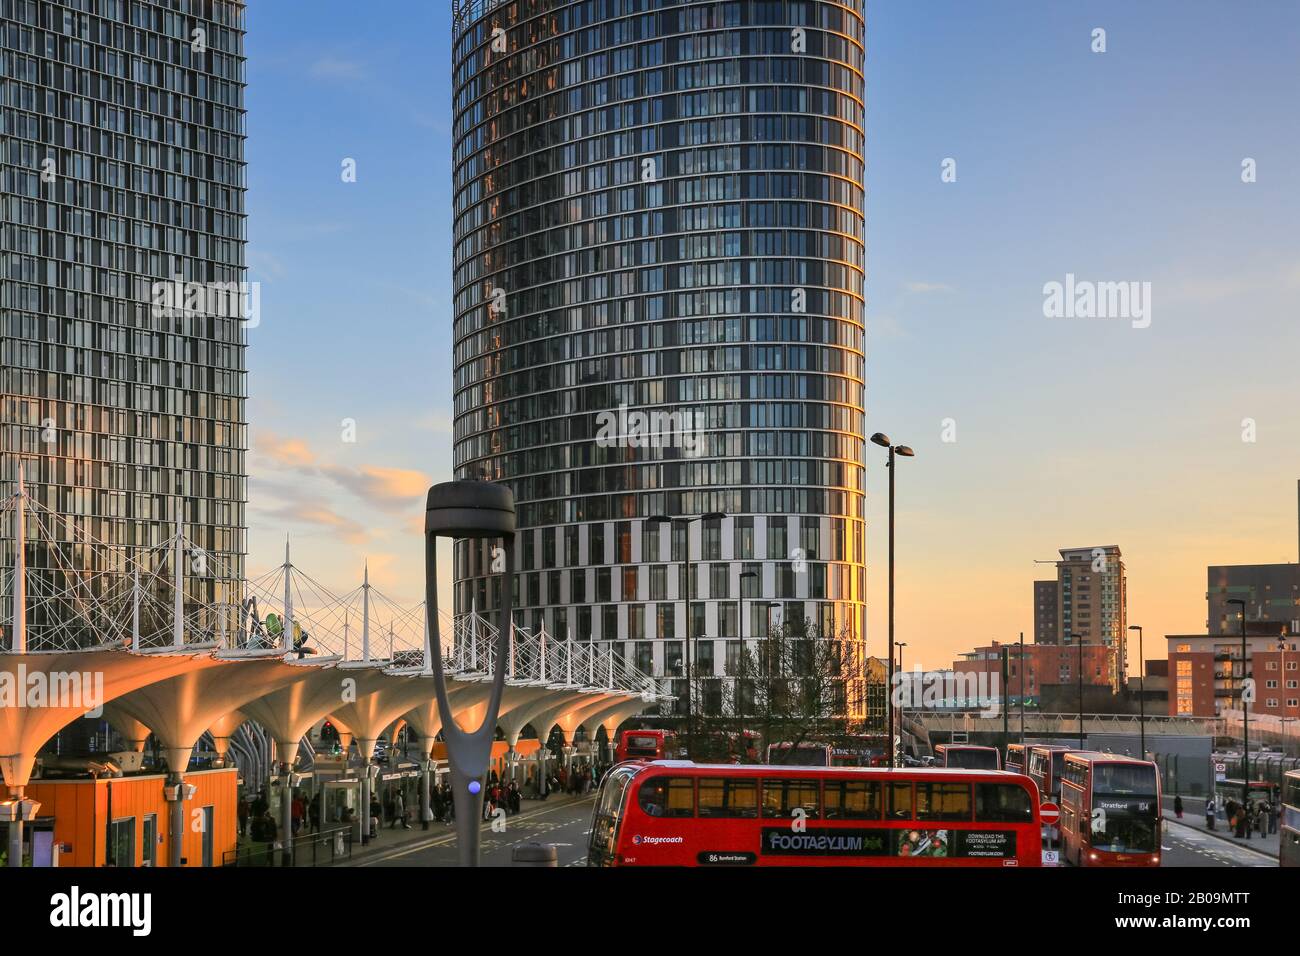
[{"x": 289, "y": 452}]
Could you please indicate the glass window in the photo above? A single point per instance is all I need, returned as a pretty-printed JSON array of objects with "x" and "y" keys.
[
  {"x": 782, "y": 797},
  {"x": 900, "y": 801},
  {"x": 852, "y": 800},
  {"x": 673, "y": 658},
  {"x": 668, "y": 797},
  {"x": 1002, "y": 803},
  {"x": 776, "y": 539},
  {"x": 150, "y": 847},
  {"x": 942, "y": 801},
  {"x": 728, "y": 797},
  {"x": 744, "y": 538}
]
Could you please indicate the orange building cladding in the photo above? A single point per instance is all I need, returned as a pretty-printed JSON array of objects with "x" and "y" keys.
[
  {"x": 524, "y": 748},
  {"x": 83, "y": 810}
]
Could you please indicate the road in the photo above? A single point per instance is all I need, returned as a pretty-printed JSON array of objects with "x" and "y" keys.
[
  {"x": 565, "y": 826},
  {"x": 1188, "y": 846}
]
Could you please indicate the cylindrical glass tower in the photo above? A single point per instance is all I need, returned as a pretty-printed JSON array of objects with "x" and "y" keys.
[{"x": 659, "y": 270}]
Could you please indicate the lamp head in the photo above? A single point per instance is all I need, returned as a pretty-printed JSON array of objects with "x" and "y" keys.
[
  {"x": 904, "y": 451},
  {"x": 881, "y": 439}
]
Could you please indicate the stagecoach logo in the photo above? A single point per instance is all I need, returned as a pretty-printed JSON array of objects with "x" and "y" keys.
[{"x": 639, "y": 840}]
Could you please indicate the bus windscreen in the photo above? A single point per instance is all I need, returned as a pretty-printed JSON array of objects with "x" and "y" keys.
[{"x": 972, "y": 759}]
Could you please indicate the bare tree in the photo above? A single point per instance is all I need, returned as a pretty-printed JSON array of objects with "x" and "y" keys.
[{"x": 795, "y": 686}]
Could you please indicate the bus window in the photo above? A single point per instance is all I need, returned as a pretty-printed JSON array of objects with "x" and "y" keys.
[
  {"x": 668, "y": 797},
  {"x": 1123, "y": 779},
  {"x": 942, "y": 801},
  {"x": 725, "y": 797},
  {"x": 852, "y": 800},
  {"x": 1003, "y": 803},
  {"x": 900, "y": 801},
  {"x": 782, "y": 797}
]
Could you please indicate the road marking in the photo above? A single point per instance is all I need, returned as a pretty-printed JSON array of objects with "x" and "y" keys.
[{"x": 447, "y": 838}]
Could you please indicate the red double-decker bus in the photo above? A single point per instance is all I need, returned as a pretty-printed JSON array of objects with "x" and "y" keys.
[
  {"x": 806, "y": 754},
  {"x": 678, "y": 813},
  {"x": 1017, "y": 758},
  {"x": 1110, "y": 810},
  {"x": 968, "y": 757},
  {"x": 1046, "y": 763},
  {"x": 643, "y": 745}
]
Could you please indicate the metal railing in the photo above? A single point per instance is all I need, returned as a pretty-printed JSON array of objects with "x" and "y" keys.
[{"x": 323, "y": 848}]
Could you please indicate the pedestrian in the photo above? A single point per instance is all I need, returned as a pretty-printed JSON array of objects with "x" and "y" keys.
[
  {"x": 313, "y": 813},
  {"x": 298, "y": 811},
  {"x": 1178, "y": 807},
  {"x": 399, "y": 803},
  {"x": 374, "y": 817},
  {"x": 1272, "y": 817},
  {"x": 242, "y": 812},
  {"x": 1209, "y": 814},
  {"x": 1261, "y": 817}
]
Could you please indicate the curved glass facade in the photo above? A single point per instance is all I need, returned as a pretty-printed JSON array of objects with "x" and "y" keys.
[{"x": 659, "y": 271}]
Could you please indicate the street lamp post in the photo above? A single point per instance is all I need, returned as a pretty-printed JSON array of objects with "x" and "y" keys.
[
  {"x": 1078, "y": 639},
  {"x": 1245, "y": 714},
  {"x": 1281, "y": 647},
  {"x": 740, "y": 607},
  {"x": 687, "y": 521},
  {"x": 904, "y": 451},
  {"x": 771, "y": 649},
  {"x": 900, "y": 645},
  {"x": 1142, "y": 693},
  {"x": 1022, "y": 688},
  {"x": 740, "y": 628},
  {"x": 468, "y": 509}
]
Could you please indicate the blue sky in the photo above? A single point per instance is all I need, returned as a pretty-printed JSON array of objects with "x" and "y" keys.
[{"x": 1115, "y": 166}]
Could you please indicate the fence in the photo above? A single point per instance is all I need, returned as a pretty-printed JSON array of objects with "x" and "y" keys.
[{"x": 324, "y": 848}]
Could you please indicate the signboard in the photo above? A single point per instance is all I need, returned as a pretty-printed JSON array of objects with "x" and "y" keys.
[
  {"x": 969, "y": 844},
  {"x": 1220, "y": 772},
  {"x": 1051, "y": 858},
  {"x": 1050, "y": 814},
  {"x": 726, "y": 858}
]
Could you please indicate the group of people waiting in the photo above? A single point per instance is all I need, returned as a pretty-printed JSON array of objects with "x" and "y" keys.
[
  {"x": 257, "y": 819},
  {"x": 506, "y": 797},
  {"x": 1243, "y": 819}
]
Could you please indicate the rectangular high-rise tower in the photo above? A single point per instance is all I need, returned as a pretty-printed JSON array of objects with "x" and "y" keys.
[
  {"x": 1092, "y": 602},
  {"x": 124, "y": 306}
]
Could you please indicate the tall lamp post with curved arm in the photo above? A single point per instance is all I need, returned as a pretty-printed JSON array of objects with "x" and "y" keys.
[
  {"x": 894, "y": 450},
  {"x": 686, "y": 522},
  {"x": 1247, "y": 691},
  {"x": 469, "y": 509}
]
